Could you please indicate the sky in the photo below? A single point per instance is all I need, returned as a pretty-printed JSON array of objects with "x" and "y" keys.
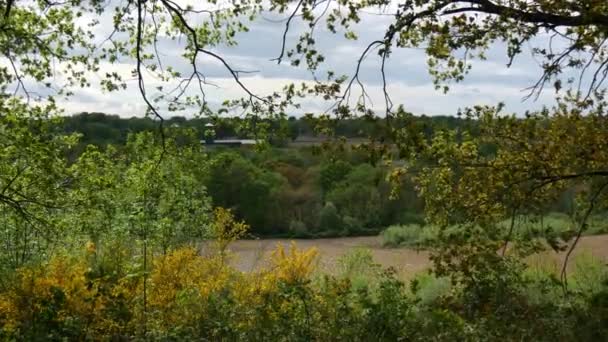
[{"x": 409, "y": 83}]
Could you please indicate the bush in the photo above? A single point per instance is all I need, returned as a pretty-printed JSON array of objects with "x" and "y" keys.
[
  {"x": 298, "y": 229},
  {"x": 329, "y": 219},
  {"x": 428, "y": 288},
  {"x": 589, "y": 275},
  {"x": 191, "y": 297},
  {"x": 554, "y": 226},
  {"x": 409, "y": 217},
  {"x": 402, "y": 236},
  {"x": 352, "y": 226},
  {"x": 359, "y": 267}
]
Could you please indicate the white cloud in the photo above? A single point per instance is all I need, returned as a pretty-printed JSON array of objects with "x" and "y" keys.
[{"x": 489, "y": 82}]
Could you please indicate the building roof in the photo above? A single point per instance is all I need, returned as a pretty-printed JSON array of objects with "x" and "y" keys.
[{"x": 231, "y": 142}]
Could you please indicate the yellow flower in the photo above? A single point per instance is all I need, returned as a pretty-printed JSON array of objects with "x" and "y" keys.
[
  {"x": 90, "y": 247},
  {"x": 294, "y": 266}
]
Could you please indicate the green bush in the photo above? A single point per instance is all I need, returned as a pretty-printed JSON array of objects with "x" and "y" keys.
[
  {"x": 298, "y": 229},
  {"x": 359, "y": 267},
  {"x": 409, "y": 217},
  {"x": 329, "y": 219},
  {"x": 554, "y": 226},
  {"x": 352, "y": 226},
  {"x": 411, "y": 235},
  {"x": 589, "y": 275},
  {"x": 427, "y": 288}
]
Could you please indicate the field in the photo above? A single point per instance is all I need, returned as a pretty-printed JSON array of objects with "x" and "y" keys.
[{"x": 250, "y": 254}]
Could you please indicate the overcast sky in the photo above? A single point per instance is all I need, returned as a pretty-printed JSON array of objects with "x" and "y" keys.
[{"x": 489, "y": 82}]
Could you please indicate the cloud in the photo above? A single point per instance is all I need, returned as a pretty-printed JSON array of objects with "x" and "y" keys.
[{"x": 409, "y": 83}]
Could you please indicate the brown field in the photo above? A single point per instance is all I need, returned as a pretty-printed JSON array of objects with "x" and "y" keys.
[{"x": 250, "y": 254}]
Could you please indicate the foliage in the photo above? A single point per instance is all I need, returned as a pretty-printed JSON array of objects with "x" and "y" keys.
[
  {"x": 409, "y": 235},
  {"x": 34, "y": 181},
  {"x": 151, "y": 193},
  {"x": 358, "y": 266},
  {"x": 225, "y": 229},
  {"x": 331, "y": 173},
  {"x": 198, "y": 297},
  {"x": 235, "y": 182},
  {"x": 329, "y": 219},
  {"x": 536, "y": 161}
]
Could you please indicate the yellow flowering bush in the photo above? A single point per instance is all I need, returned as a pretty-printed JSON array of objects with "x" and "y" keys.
[
  {"x": 180, "y": 284},
  {"x": 292, "y": 266},
  {"x": 56, "y": 293},
  {"x": 183, "y": 295},
  {"x": 226, "y": 228}
]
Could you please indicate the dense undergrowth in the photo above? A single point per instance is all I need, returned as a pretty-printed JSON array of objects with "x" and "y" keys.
[{"x": 93, "y": 295}]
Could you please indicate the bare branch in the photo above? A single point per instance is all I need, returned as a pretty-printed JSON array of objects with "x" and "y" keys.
[
  {"x": 195, "y": 42},
  {"x": 140, "y": 76},
  {"x": 284, "y": 40}
]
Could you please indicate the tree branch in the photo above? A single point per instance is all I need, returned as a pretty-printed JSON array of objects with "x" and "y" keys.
[
  {"x": 583, "y": 226},
  {"x": 549, "y": 19},
  {"x": 284, "y": 40}
]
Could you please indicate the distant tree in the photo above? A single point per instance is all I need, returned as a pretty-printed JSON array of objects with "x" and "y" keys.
[
  {"x": 331, "y": 173},
  {"x": 235, "y": 182},
  {"x": 358, "y": 196},
  {"x": 329, "y": 219}
]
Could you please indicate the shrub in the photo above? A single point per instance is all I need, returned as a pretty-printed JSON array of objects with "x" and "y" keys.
[
  {"x": 298, "y": 229},
  {"x": 329, "y": 219},
  {"x": 554, "y": 226},
  {"x": 191, "y": 297},
  {"x": 352, "y": 226},
  {"x": 406, "y": 235},
  {"x": 358, "y": 266},
  {"x": 408, "y": 217},
  {"x": 428, "y": 288},
  {"x": 589, "y": 276}
]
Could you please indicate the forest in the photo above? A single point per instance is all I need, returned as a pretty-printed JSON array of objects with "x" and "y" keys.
[{"x": 123, "y": 229}]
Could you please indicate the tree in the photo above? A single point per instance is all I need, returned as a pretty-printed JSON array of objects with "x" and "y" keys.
[
  {"x": 537, "y": 159},
  {"x": 164, "y": 197},
  {"x": 45, "y": 38},
  {"x": 331, "y": 173},
  {"x": 236, "y": 183},
  {"x": 455, "y": 32},
  {"x": 357, "y": 196},
  {"x": 34, "y": 181}
]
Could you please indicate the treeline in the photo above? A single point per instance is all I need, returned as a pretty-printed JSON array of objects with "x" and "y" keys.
[{"x": 104, "y": 129}]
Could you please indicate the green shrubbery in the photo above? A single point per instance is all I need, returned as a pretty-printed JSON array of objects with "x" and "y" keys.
[
  {"x": 553, "y": 227},
  {"x": 411, "y": 235},
  {"x": 296, "y": 193}
]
